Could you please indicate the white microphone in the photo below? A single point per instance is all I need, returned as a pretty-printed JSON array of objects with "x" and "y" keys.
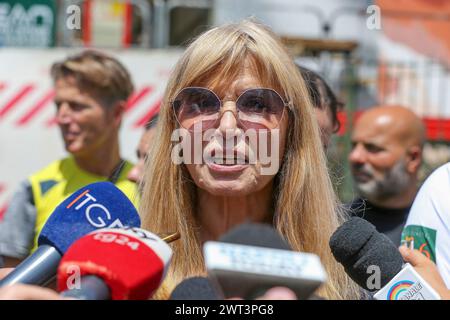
[
  {"x": 407, "y": 285},
  {"x": 258, "y": 260}
]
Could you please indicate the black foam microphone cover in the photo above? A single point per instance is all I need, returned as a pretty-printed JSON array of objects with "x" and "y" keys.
[
  {"x": 195, "y": 288},
  {"x": 256, "y": 234},
  {"x": 350, "y": 238},
  {"x": 362, "y": 251}
]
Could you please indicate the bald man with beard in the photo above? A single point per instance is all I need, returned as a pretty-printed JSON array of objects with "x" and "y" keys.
[{"x": 386, "y": 155}]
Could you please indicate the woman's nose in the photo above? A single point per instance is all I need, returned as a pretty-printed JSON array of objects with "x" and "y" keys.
[{"x": 228, "y": 119}]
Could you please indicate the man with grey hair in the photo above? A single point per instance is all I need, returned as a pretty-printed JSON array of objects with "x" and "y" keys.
[{"x": 387, "y": 144}]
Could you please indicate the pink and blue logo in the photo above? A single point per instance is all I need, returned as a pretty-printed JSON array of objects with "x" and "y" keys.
[{"x": 396, "y": 291}]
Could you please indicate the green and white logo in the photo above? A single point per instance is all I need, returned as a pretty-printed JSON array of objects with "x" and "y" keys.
[{"x": 423, "y": 238}]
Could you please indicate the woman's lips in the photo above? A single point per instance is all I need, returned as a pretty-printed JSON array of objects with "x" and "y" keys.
[{"x": 226, "y": 168}]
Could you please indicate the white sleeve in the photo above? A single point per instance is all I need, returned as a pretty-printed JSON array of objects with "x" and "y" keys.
[{"x": 428, "y": 223}]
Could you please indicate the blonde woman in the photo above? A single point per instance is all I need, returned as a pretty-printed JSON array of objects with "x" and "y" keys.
[{"x": 232, "y": 79}]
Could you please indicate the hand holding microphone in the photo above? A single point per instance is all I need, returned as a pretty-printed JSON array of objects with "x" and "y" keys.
[
  {"x": 28, "y": 292},
  {"x": 374, "y": 263},
  {"x": 4, "y": 272},
  {"x": 25, "y": 292},
  {"x": 427, "y": 269}
]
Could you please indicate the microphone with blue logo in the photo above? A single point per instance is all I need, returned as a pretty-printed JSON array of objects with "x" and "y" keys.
[{"x": 95, "y": 206}]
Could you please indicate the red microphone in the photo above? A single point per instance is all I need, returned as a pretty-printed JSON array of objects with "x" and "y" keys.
[{"x": 117, "y": 264}]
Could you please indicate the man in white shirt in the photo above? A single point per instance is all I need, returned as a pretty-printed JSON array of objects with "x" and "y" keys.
[{"x": 428, "y": 224}]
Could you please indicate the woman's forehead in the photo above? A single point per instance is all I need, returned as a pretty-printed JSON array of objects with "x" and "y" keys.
[
  {"x": 234, "y": 83},
  {"x": 244, "y": 81}
]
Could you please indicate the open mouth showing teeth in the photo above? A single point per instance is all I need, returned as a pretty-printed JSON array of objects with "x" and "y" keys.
[{"x": 229, "y": 161}]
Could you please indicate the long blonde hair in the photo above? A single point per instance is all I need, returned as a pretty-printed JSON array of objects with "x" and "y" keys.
[{"x": 306, "y": 208}]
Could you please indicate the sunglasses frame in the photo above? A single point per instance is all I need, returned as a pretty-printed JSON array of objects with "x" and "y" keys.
[{"x": 285, "y": 105}]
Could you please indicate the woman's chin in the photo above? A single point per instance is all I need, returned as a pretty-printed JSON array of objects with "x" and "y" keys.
[
  {"x": 230, "y": 188},
  {"x": 227, "y": 183}
]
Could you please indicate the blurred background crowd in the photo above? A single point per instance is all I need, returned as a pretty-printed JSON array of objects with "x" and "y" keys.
[{"x": 369, "y": 52}]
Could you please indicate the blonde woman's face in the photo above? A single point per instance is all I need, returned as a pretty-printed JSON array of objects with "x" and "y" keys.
[{"x": 239, "y": 156}]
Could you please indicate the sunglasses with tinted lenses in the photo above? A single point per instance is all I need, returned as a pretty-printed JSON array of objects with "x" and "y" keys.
[{"x": 197, "y": 107}]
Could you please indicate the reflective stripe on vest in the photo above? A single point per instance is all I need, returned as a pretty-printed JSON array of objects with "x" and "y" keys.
[{"x": 60, "y": 179}]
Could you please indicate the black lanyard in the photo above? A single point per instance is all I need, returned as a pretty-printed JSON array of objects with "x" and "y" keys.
[{"x": 116, "y": 172}]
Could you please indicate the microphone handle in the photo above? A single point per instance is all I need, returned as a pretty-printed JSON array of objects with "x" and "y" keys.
[
  {"x": 37, "y": 269},
  {"x": 91, "y": 288}
]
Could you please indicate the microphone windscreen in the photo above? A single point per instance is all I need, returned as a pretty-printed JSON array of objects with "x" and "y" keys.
[
  {"x": 97, "y": 205},
  {"x": 195, "y": 288},
  {"x": 378, "y": 255},
  {"x": 255, "y": 234},
  {"x": 367, "y": 256},
  {"x": 350, "y": 237},
  {"x": 131, "y": 261}
]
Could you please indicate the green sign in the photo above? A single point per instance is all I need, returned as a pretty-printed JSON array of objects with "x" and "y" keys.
[
  {"x": 27, "y": 23},
  {"x": 424, "y": 239}
]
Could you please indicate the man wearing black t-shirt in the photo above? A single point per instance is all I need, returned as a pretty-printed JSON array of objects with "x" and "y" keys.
[{"x": 386, "y": 154}]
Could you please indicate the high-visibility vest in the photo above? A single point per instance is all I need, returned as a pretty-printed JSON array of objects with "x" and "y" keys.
[{"x": 57, "y": 181}]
